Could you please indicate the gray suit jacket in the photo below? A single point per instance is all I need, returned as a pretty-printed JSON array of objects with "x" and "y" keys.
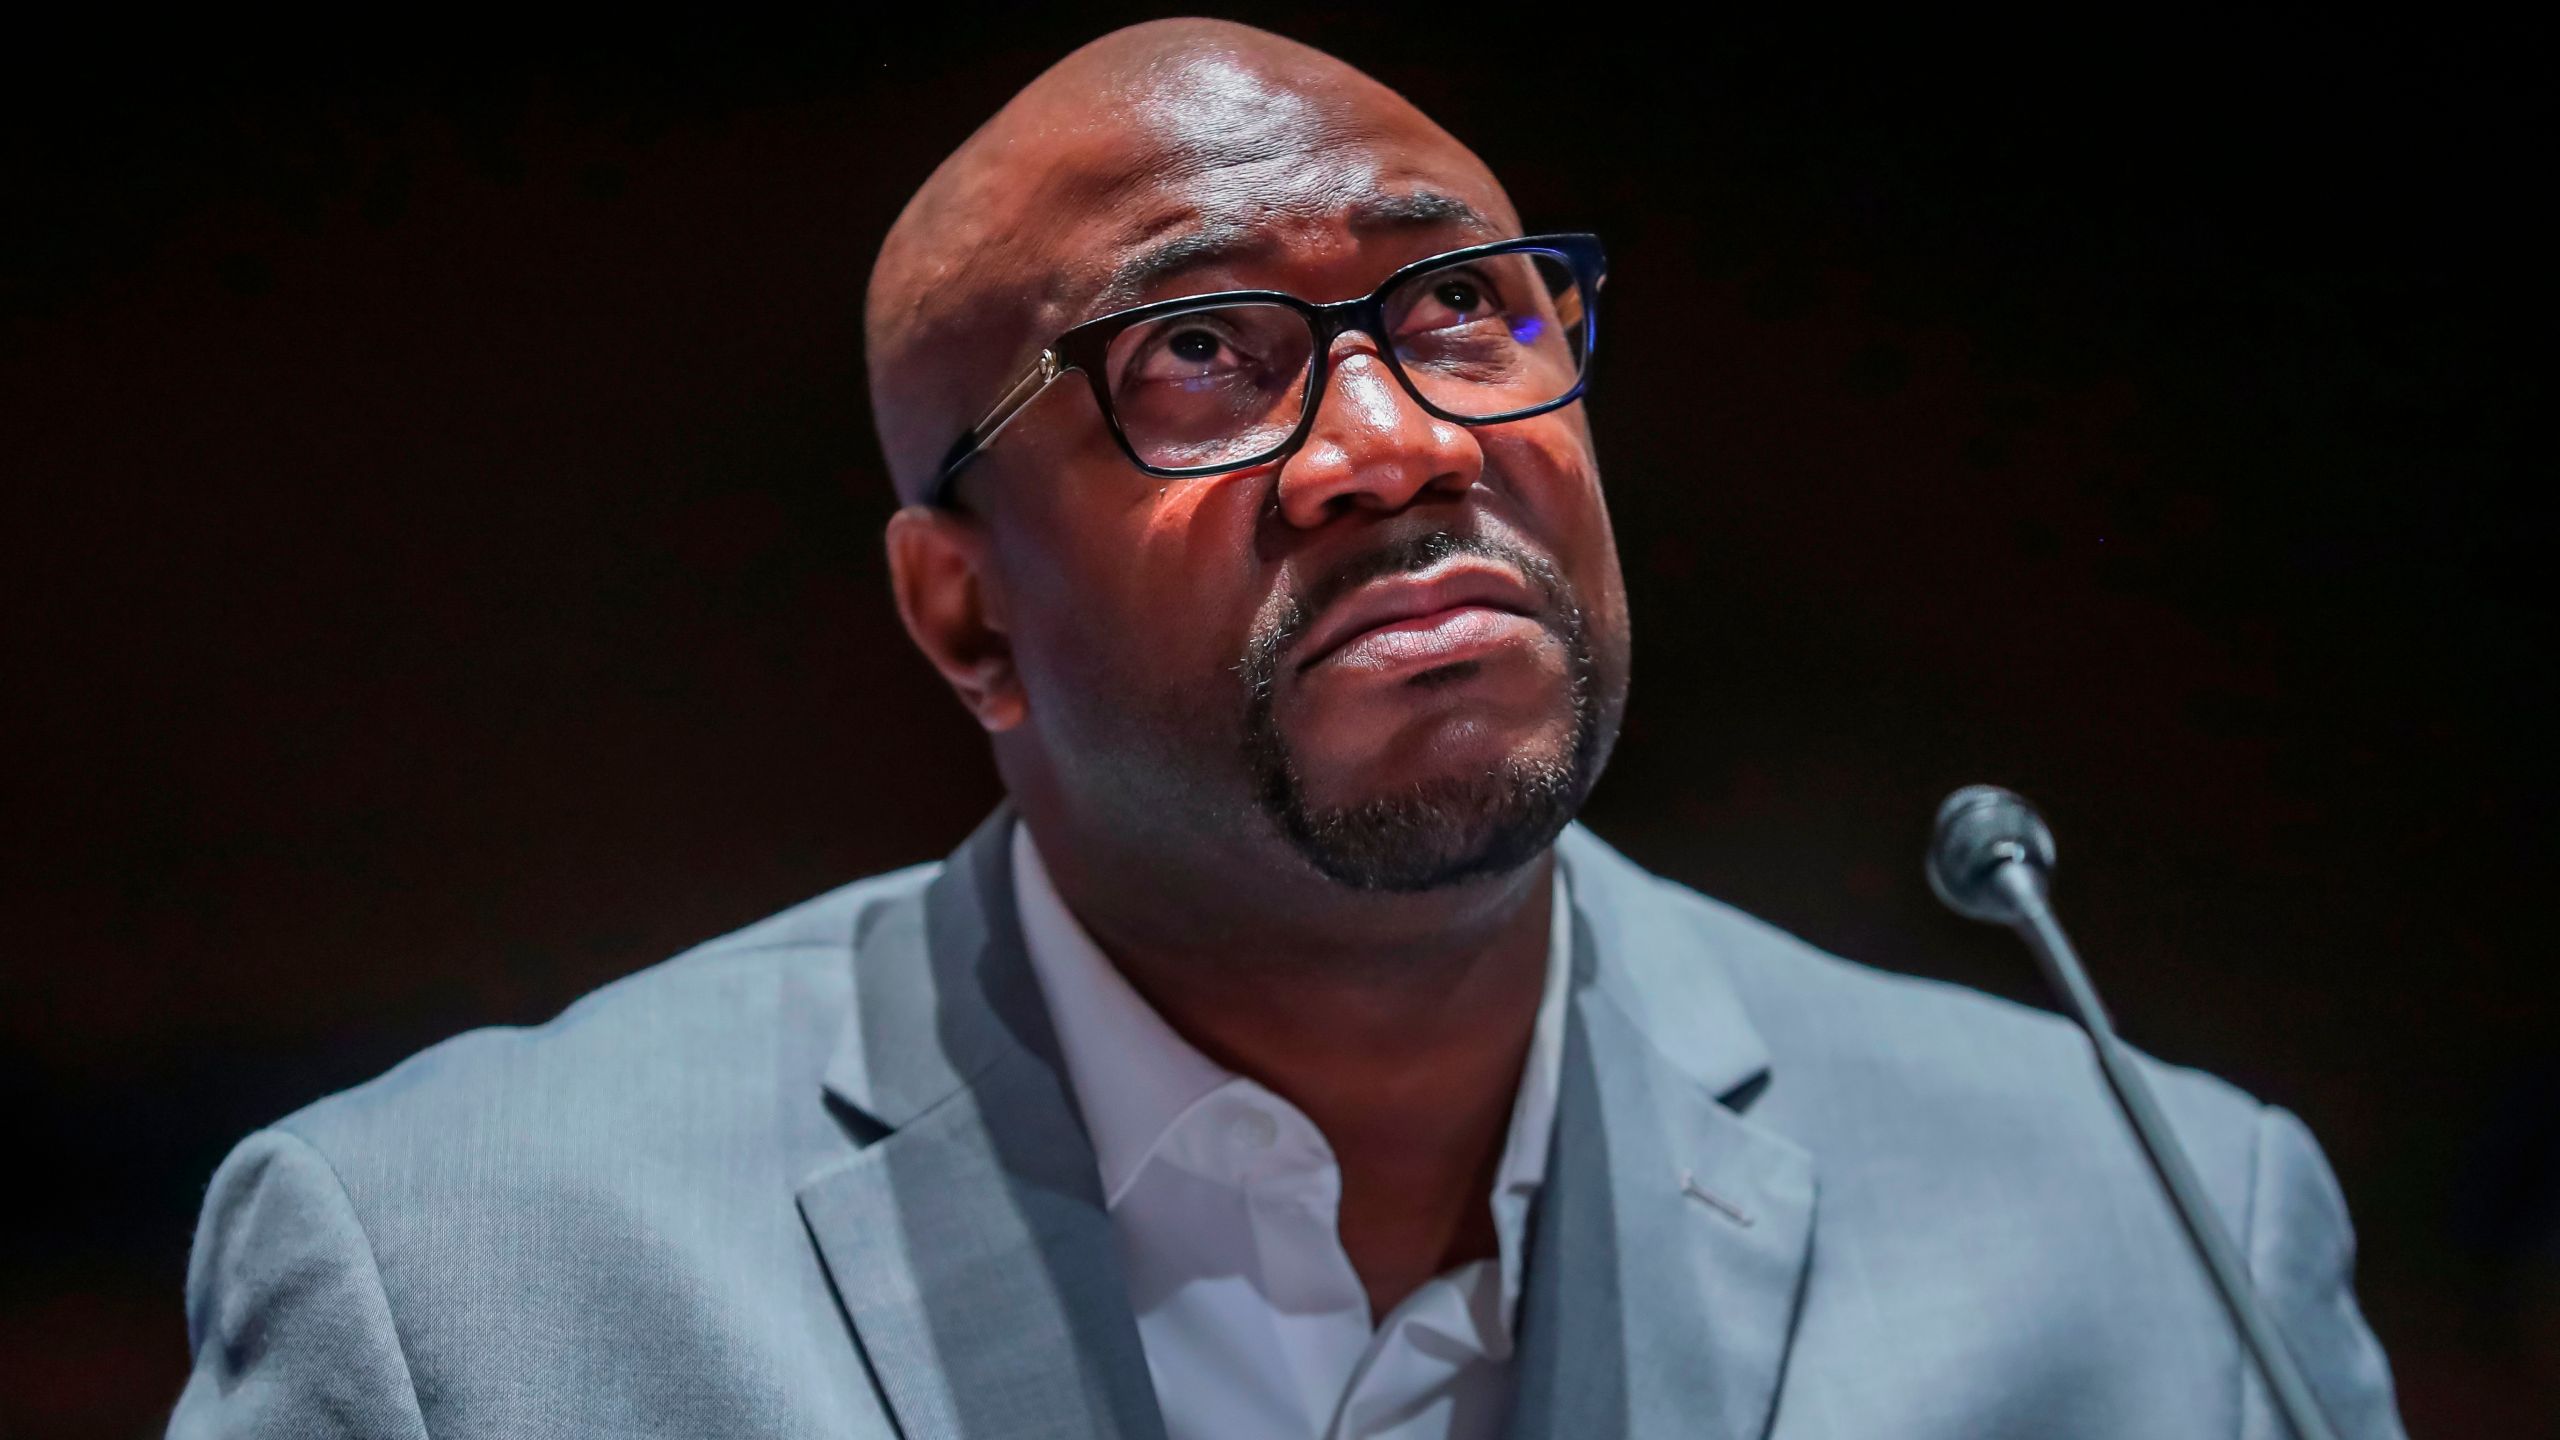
[{"x": 823, "y": 1178}]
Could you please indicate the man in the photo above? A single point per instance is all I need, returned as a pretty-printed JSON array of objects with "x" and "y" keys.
[{"x": 1280, "y": 1062}]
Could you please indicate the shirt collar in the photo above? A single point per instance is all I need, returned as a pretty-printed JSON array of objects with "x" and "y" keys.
[
  {"x": 1135, "y": 1078},
  {"x": 1533, "y": 1113}
]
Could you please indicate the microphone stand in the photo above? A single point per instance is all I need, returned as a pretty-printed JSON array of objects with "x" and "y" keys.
[{"x": 2024, "y": 885}]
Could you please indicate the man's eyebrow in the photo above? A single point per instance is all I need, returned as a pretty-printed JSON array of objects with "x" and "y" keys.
[
  {"x": 1202, "y": 248},
  {"x": 1421, "y": 207}
]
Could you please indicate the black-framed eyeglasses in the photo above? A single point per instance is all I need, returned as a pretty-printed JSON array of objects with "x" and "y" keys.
[{"x": 1212, "y": 383}]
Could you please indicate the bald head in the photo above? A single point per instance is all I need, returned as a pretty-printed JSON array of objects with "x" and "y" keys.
[{"x": 1149, "y": 148}]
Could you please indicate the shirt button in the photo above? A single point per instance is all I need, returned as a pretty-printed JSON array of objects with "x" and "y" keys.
[{"x": 1254, "y": 1129}]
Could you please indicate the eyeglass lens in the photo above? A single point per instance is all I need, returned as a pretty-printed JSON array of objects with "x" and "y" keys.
[{"x": 1227, "y": 384}]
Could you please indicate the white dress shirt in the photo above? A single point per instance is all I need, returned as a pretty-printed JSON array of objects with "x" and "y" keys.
[{"x": 1225, "y": 1198}]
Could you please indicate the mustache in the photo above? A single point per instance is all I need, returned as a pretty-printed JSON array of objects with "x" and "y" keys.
[{"x": 1410, "y": 555}]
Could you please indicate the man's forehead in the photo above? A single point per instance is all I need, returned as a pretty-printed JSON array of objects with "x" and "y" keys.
[
  {"x": 1215, "y": 145},
  {"x": 1152, "y": 217},
  {"x": 1321, "y": 227}
]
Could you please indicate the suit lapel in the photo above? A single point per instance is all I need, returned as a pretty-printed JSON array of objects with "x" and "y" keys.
[
  {"x": 1671, "y": 1240},
  {"x": 969, "y": 1243}
]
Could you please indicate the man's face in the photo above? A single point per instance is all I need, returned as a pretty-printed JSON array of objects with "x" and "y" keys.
[{"x": 1400, "y": 649}]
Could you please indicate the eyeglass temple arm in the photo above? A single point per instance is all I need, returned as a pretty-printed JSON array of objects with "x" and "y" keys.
[{"x": 1017, "y": 398}]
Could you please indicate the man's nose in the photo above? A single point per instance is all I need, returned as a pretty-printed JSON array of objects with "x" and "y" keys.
[{"x": 1371, "y": 447}]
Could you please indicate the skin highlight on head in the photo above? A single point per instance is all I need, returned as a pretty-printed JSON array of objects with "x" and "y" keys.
[{"x": 1329, "y": 871}]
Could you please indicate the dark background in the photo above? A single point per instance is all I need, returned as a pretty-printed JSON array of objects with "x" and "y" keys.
[{"x": 442, "y": 565}]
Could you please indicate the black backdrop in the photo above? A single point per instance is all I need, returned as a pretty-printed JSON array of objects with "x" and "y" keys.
[{"x": 442, "y": 565}]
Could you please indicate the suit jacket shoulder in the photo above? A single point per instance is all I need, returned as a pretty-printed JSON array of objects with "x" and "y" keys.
[
  {"x": 632, "y": 1063},
  {"x": 590, "y": 1223},
  {"x": 1988, "y": 1230},
  {"x": 1851, "y": 1045}
]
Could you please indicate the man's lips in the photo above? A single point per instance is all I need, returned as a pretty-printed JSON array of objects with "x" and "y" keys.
[{"x": 1444, "y": 607}]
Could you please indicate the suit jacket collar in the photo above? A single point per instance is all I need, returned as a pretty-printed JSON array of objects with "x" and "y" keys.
[
  {"x": 1673, "y": 1236},
  {"x": 968, "y": 1244},
  {"x": 1663, "y": 977},
  {"x": 976, "y": 1262},
  {"x": 943, "y": 990}
]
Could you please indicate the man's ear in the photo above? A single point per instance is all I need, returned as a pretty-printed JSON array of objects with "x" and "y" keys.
[{"x": 954, "y": 607}]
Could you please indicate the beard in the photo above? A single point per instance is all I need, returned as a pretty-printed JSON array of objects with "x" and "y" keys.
[{"x": 1449, "y": 829}]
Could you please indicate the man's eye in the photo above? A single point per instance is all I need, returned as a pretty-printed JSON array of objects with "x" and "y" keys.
[
  {"x": 1448, "y": 302},
  {"x": 1461, "y": 296},
  {"x": 1193, "y": 355}
]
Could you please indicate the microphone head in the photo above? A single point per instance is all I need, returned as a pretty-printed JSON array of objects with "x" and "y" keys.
[{"x": 1981, "y": 828}]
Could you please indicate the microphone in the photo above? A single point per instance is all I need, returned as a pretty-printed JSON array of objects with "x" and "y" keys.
[{"x": 1991, "y": 859}]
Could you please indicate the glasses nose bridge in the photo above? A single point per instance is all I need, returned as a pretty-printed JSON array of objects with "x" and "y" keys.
[{"x": 1365, "y": 314}]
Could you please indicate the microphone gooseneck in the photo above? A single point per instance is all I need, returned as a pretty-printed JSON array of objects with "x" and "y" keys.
[{"x": 1991, "y": 859}]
